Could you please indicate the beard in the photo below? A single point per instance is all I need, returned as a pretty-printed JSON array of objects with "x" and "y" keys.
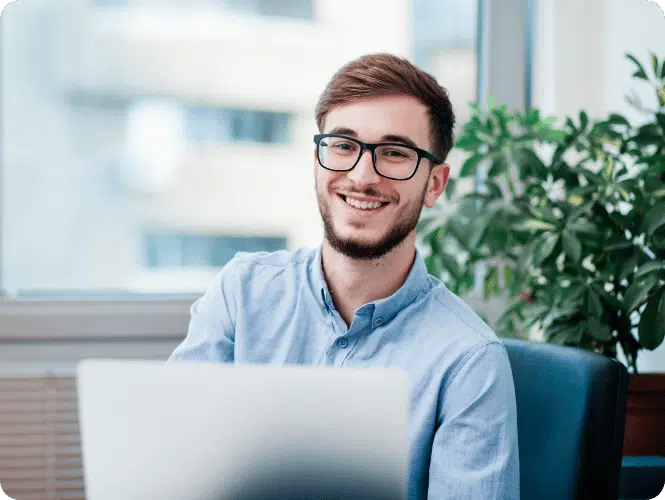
[{"x": 405, "y": 222}]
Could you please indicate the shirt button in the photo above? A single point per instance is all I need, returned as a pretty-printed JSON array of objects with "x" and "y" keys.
[
  {"x": 342, "y": 343},
  {"x": 378, "y": 321}
]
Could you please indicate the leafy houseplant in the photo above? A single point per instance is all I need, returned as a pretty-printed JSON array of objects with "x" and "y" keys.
[{"x": 568, "y": 226}]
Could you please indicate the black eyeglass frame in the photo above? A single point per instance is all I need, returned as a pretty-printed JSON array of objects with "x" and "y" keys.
[{"x": 372, "y": 147}]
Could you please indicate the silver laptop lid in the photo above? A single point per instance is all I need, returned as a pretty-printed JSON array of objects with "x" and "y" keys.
[{"x": 189, "y": 431}]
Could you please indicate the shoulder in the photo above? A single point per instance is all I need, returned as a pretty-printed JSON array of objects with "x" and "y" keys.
[
  {"x": 459, "y": 320},
  {"x": 250, "y": 268},
  {"x": 474, "y": 357},
  {"x": 252, "y": 262},
  {"x": 457, "y": 332}
]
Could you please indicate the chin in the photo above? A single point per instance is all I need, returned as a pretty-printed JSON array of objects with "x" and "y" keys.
[
  {"x": 361, "y": 248},
  {"x": 356, "y": 236}
]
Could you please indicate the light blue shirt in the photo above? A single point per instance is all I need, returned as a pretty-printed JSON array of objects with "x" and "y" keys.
[{"x": 276, "y": 308}]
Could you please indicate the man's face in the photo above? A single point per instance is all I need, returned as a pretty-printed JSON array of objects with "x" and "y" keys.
[{"x": 370, "y": 233}]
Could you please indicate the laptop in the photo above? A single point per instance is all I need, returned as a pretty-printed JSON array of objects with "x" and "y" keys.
[{"x": 198, "y": 431}]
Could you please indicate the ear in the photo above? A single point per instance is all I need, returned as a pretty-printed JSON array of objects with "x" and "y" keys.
[{"x": 436, "y": 184}]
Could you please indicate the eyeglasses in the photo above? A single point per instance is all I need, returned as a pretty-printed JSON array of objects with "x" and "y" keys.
[{"x": 395, "y": 161}]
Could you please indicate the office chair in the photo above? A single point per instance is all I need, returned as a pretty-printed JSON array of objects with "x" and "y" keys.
[{"x": 571, "y": 411}]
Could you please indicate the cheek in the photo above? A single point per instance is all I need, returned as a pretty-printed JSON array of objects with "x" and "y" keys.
[{"x": 327, "y": 180}]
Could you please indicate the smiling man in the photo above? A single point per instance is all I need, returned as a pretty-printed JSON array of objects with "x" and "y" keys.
[{"x": 364, "y": 298}]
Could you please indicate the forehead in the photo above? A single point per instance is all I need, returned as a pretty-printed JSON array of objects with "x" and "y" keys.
[{"x": 376, "y": 117}]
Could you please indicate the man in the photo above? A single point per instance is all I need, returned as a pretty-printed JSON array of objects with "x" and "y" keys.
[{"x": 364, "y": 298}]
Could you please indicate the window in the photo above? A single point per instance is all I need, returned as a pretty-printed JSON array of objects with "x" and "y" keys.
[
  {"x": 293, "y": 9},
  {"x": 186, "y": 250},
  {"x": 296, "y": 9},
  {"x": 207, "y": 124},
  {"x": 108, "y": 115},
  {"x": 445, "y": 43}
]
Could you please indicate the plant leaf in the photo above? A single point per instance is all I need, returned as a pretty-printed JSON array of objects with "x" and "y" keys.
[
  {"x": 583, "y": 227},
  {"x": 594, "y": 304},
  {"x": 499, "y": 165},
  {"x": 450, "y": 188},
  {"x": 494, "y": 189},
  {"x": 577, "y": 213},
  {"x": 584, "y": 120},
  {"x": 618, "y": 246},
  {"x": 660, "y": 92},
  {"x": 491, "y": 284},
  {"x": 545, "y": 249},
  {"x": 651, "y": 330},
  {"x": 654, "y": 218},
  {"x": 629, "y": 265},
  {"x": 433, "y": 264},
  {"x": 471, "y": 165},
  {"x": 608, "y": 168},
  {"x": 450, "y": 263},
  {"x": 468, "y": 142},
  {"x": 660, "y": 118},
  {"x": 573, "y": 295},
  {"x": 566, "y": 335},
  {"x": 534, "y": 225},
  {"x": 640, "y": 73},
  {"x": 572, "y": 246},
  {"x": 655, "y": 65},
  {"x": 638, "y": 291},
  {"x": 650, "y": 267},
  {"x": 599, "y": 331},
  {"x": 526, "y": 256},
  {"x": 616, "y": 119},
  {"x": 528, "y": 158},
  {"x": 662, "y": 71},
  {"x": 552, "y": 135},
  {"x": 508, "y": 275}
]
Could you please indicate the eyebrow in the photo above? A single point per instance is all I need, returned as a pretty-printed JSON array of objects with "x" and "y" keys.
[{"x": 386, "y": 138}]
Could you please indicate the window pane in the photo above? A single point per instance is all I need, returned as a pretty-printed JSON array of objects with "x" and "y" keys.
[
  {"x": 187, "y": 250},
  {"x": 145, "y": 142}
]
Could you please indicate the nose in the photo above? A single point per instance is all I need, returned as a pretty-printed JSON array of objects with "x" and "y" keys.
[{"x": 363, "y": 173}]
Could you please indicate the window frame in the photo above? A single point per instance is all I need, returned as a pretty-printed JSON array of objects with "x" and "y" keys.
[{"x": 123, "y": 319}]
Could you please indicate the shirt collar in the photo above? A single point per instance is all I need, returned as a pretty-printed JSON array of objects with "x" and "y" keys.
[{"x": 384, "y": 309}]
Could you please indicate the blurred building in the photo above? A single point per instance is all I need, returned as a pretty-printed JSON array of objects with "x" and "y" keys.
[{"x": 146, "y": 141}]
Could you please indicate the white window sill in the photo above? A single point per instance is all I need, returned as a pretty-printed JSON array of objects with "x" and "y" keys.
[{"x": 128, "y": 319}]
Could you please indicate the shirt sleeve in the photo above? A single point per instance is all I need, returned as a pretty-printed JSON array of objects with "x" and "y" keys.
[
  {"x": 211, "y": 333},
  {"x": 475, "y": 448}
]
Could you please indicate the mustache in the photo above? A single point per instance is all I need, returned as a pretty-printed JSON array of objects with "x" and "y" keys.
[{"x": 368, "y": 191}]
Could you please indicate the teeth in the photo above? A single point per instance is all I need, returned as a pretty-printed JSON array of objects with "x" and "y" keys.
[{"x": 363, "y": 205}]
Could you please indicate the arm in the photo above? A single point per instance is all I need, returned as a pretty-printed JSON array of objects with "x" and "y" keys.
[
  {"x": 474, "y": 453},
  {"x": 211, "y": 333}
]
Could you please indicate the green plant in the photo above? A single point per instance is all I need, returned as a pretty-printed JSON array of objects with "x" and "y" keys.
[{"x": 567, "y": 225}]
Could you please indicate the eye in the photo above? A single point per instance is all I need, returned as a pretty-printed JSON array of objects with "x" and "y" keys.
[
  {"x": 396, "y": 153},
  {"x": 344, "y": 146}
]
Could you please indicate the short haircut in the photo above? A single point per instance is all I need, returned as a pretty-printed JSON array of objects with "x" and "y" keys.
[{"x": 386, "y": 74}]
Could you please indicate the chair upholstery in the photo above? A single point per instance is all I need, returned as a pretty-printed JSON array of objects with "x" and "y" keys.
[{"x": 571, "y": 411}]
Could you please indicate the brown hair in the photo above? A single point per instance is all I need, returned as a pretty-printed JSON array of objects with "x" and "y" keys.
[{"x": 383, "y": 74}]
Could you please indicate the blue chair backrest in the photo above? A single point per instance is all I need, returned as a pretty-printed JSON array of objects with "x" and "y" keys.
[{"x": 571, "y": 410}]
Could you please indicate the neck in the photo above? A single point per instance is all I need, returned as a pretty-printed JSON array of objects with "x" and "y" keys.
[{"x": 353, "y": 282}]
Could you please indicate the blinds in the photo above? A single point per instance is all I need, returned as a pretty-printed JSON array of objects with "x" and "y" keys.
[{"x": 40, "y": 449}]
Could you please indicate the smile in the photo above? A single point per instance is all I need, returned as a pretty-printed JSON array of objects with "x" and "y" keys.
[{"x": 363, "y": 205}]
